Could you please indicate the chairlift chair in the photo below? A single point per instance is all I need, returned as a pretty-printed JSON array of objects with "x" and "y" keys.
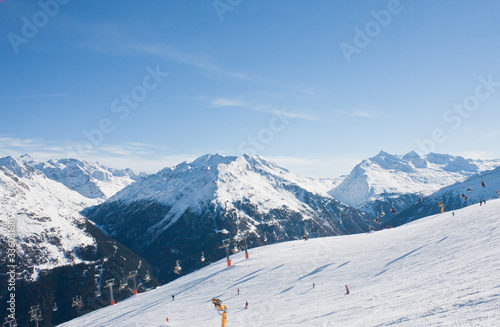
[
  {"x": 202, "y": 259},
  {"x": 123, "y": 284},
  {"x": 147, "y": 278},
  {"x": 235, "y": 248},
  {"x": 177, "y": 268}
]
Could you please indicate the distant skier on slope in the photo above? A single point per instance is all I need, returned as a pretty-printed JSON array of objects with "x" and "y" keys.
[
  {"x": 246, "y": 305},
  {"x": 346, "y": 290}
]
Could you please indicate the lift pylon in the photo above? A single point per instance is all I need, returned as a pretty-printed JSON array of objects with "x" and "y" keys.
[
  {"x": 132, "y": 275},
  {"x": 110, "y": 283},
  {"x": 225, "y": 244},
  {"x": 36, "y": 314}
]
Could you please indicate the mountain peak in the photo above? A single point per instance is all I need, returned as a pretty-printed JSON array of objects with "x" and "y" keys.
[
  {"x": 382, "y": 153},
  {"x": 16, "y": 166},
  {"x": 411, "y": 155}
]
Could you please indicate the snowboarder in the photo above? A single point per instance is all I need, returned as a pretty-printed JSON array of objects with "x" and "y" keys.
[
  {"x": 173, "y": 297},
  {"x": 346, "y": 290},
  {"x": 167, "y": 319},
  {"x": 246, "y": 305}
]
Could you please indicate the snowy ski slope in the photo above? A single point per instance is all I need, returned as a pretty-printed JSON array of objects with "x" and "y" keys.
[{"x": 441, "y": 270}]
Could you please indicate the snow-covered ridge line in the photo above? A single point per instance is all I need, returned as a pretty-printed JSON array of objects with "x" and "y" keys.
[
  {"x": 90, "y": 179},
  {"x": 387, "y": 176}
]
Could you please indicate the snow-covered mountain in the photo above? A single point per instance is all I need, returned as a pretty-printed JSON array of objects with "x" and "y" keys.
[
  {"x": 482, "y": 186},
  {"x": 52, "y": 248},
  {"x": 437, "y": 271},
  {"x": 184, "y": 210},
  {"x": 48, "y": 226},
  {"x": 90, "y": 179},
  {"x": 387, "y": 180}
]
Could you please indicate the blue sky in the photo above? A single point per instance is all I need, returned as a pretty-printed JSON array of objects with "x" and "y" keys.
[{"x": 316, "y": 86}]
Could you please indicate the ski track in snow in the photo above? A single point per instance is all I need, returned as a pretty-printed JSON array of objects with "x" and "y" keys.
[{"x": 436, "y": 271}]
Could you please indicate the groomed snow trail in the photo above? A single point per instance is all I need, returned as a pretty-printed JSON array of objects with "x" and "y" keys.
[{"x": 442, "y": 270}]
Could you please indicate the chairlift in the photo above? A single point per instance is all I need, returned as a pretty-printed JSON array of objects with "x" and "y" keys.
[
  {"x": 97, "y": 293},
  {"x": 54, "y": 308},
  {"x": 123, "y": 284},
  {"x": 147, "y": 278},
  {"x": 305, "y": 236},
  {"x": 382, "y": 213},
  {"x": 77, "y": 301},
  {"x": 202, "y": 259},
  {"x": 177, "y": 268},
  {"x": 235, "y": 248}
]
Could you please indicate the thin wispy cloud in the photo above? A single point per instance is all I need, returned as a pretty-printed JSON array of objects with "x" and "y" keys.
[
  {"x": 238, "y": 103},
  {"x": 225, "y": 102},
  {"x": 356, "y": 113},
  {"x": 33, "y": 96}
]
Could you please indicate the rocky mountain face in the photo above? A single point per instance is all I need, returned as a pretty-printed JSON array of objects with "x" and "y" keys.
[{"x": 188, "y": 209}]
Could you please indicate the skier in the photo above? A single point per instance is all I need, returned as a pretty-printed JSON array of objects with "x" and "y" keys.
[
  {"x": 246, "y": 305},
  {"x": 238, "y": 291},
  {"x": 453, "y": 213},
  {"x": 173, "y": 297},
  {"x": 313, "y": 285},
  {"x": 346, "y": 290},
  {"x": 482, "y": 184}
]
